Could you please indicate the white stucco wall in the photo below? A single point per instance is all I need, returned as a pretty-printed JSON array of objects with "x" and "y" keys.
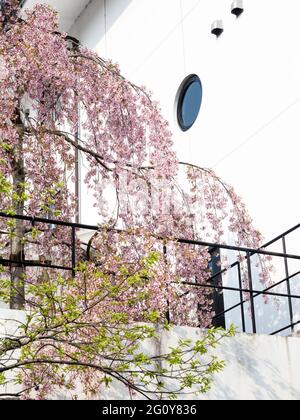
[
  {"x": 10, "y": 321},
  {"x": 248, "y": 131},
  {"x": 248, "y": 127},
  {"x": 258, "y": 367}
]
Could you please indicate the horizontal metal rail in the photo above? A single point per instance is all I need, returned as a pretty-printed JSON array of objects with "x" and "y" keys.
[
  {"x": 261, "y": 293},
  {"x": 236, "y": 289},
  {"x": 34, "y": 220},
  {"x": 29, "y": 263},
  {"x": 249, "y": 252},
  {"x": 252, "y": 251},
  {"x": 294, "y": 324}
]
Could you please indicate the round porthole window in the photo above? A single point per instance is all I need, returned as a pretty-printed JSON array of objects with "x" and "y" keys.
[{"x": 189, "y": 99}]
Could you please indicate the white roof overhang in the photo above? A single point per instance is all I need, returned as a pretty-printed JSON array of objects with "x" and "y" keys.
[{"x": 69, "y": 10}]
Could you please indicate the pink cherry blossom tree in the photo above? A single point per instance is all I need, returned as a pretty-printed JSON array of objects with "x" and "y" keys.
[{"x": 48, "y": 80}]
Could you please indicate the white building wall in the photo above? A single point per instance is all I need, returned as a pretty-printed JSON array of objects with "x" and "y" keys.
[
  {"x": 248, "y": 131},
  {"x": 248, "y": 128},
  {"x": 258, "y": 367}
]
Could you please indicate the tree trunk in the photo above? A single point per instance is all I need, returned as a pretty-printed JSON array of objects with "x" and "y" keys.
[{"x": 17, "y": 299}]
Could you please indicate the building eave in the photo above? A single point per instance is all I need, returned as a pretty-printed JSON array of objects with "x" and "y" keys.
[{"x": 69, "y": 10}]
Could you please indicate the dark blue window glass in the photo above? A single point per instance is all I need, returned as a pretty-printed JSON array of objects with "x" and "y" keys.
[{"x": 189, "y": 102}]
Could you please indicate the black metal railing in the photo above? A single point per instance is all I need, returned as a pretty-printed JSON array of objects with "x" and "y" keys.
[
  {"x": 251, "y": 291},
  {"x": 247, "y": 295}
]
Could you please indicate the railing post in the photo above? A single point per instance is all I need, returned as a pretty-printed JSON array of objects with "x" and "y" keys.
[
  {"x": 241, "y": 298},
  {"x": 251, "y": 293},
  {"x": 73, "y": 245},
  {"x": 217, "y": 296},
  {"x": 288, "y": 284}
]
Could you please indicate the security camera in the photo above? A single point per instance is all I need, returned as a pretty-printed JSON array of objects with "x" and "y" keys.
[
  {"x": 237, "y": 8},
  {"x": 217, "y": 28}
]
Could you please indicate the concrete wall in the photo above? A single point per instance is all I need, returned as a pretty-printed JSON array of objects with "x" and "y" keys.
[
  {"x": 258, "y": 367},
  {"x": 10, "y": 321}
]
